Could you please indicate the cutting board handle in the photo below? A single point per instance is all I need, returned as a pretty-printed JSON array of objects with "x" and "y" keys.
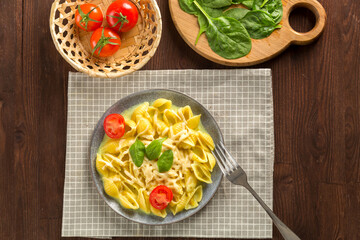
[{"x": 308, "y": 37}]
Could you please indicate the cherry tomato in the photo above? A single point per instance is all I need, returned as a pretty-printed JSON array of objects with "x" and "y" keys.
[
  {"x": 122, "y": 15},
  {"x": 114, "y": 125},
  {"x": 160, "y": 197},
  {"x": 105, "y": 42},
  {"x": 88, "y": 17}
]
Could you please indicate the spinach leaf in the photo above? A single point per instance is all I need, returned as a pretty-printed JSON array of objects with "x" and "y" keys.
[
  {"x": 137, "y": 152},
  {"x": 264, "y": 2},
  {"x": 165, "y": 161},
  {"x": 203, "y": 24},
  {"x": 246, "y": 3},
  {"x": 259, "y": 24},
  {"x": 273, "y": 7},
  {"x": 153, "y": 150},
  {"x": 227, "y": 37},
  {"x": 188, "y": 6},
  {"x": 216, "y": 3},
  {"x": 237, "y": 13},
  {"x": 213, "y": 12}
]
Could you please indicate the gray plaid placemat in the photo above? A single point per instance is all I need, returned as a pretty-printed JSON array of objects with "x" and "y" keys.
[{"x": 241, "y": 102}]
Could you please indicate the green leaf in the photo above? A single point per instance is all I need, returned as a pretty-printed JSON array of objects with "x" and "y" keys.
[
  {"x": 188, "y": 6},
  {"x": 237, "y": 13},
  {"x": 247, "y": 3},
  {"x": 165, "y": 161},
  {"x": 137, "y": 152},
  {"x": 259, "y": 24},
  {"x": 213, "y": 12},
  {"x": 216, "y": 3},
  {"x": 264, "y": 2},
  {"x": 272, "y": 7},
  {"x": 227, "y": 37},
  {"x": 203, "y": 24},
  {"x": 153, "y": 150}
]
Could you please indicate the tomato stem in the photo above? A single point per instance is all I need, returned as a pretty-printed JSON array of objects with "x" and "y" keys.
[
  {"x": 86, "y": 17},
  {"x": 121, "y": 18},
  {"x": 102, "y": 42}
]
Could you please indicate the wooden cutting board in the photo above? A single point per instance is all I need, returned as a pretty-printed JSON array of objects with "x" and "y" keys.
[{"x": 263, "y": 49}]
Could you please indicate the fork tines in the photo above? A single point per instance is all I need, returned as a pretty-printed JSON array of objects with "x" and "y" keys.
[{"x": 226, "y": 162}]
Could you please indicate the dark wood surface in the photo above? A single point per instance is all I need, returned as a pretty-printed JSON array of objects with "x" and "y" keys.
[{"x": 316, "y": 92}]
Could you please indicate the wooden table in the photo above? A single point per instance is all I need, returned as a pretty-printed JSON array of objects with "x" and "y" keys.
[{"x": 317, "y": 122}]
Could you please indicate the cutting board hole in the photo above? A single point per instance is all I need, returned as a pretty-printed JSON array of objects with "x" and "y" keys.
[{"x": 302, "y": 19}]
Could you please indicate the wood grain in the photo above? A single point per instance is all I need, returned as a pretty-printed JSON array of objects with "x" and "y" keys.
[
  {"x": 10, "y": 71},
  {"x": 317, "y": 111},
  {"x": 262, "y": 49}
]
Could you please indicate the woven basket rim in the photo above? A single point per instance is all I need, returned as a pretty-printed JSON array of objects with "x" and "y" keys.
[{"x": 93, "y": 73}]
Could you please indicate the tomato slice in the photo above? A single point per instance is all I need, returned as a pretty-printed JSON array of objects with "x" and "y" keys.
[
  {"x": 114, "y": 125},
  {"x": 160, "y": 197}
]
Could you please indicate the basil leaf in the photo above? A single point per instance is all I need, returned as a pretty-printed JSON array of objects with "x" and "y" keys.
[
  {"x": 216, "y": 3},
  {"x": 272, "y": 7},
  {"x": 227, "y": 37},
  {"x": 165, "y": 161},
  {"x": 153, "y": 150},
  {"x": 259, "y": 24},
  {"x": 237, "y": 13},
  {"x": 137, "y": 152}
]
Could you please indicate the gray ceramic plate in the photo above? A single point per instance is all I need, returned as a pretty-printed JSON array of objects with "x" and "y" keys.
[{"x": 178, "y": 99}]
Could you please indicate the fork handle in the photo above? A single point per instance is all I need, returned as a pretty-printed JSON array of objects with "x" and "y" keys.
[{"x": 283, "y": 229}]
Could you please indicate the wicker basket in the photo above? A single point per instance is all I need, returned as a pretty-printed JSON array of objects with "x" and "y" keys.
[{"x": 137, "y": 46}]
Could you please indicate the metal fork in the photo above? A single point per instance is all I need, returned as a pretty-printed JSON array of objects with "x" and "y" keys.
[{"x": 235, "y": 174}]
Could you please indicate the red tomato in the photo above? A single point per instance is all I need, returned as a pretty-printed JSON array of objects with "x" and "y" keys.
[
  {"x": 122, "y": 15},
  {"x": 105, "y": 42},
  {"x": 160, "y": 197},
  {"x": 114, "y": 125},
  {"x": 88, "y": 17}
]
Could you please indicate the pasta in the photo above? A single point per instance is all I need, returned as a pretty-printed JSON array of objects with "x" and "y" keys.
[{"x": 178, "y": 130}]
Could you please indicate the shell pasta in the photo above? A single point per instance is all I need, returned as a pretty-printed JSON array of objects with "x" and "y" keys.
[{"x": 165, "y": 127}]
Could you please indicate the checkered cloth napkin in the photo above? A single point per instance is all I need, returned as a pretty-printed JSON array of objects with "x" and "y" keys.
[{"x": 241, "y": 102}]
